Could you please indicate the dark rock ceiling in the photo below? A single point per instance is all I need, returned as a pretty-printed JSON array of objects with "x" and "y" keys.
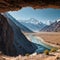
[{"x": 7, "y": 5}]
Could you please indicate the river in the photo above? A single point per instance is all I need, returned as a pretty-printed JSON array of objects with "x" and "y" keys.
[{"x": 41, "y": 46}]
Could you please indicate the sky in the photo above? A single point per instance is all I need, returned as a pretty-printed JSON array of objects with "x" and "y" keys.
[{"x": 43, "y": 15}]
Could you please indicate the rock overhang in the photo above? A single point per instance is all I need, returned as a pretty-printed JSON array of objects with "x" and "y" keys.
[{"x": 12, "y": 5}]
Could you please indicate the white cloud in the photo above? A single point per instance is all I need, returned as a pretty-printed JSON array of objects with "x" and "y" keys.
[{"x": 58, "y": 20}]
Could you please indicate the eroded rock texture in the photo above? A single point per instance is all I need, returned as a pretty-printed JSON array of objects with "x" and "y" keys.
[{"x": 7, "y": 5}]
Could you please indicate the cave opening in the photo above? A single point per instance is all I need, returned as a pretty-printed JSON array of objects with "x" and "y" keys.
[{"x": 6, "y": 31}]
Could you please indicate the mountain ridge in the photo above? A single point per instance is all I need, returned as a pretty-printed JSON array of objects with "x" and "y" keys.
[{"x": 54, "y": 27}]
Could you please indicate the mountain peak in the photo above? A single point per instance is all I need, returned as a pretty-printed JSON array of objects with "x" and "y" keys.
[{"x": 33, "y": 21}]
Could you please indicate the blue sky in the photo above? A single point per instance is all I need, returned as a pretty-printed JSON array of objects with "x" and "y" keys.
[{"x": 39, "y": 14}]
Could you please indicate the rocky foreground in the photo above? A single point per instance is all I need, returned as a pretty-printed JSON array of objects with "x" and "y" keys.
[{"x": 51, "y": 56}]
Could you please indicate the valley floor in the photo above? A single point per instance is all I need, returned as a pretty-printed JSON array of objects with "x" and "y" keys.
[{"x": 51, "y": 38}]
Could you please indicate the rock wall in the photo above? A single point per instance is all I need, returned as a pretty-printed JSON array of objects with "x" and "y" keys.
[
  {"x": 6, "y": 36},
  {"x": 11, "y": 5}
]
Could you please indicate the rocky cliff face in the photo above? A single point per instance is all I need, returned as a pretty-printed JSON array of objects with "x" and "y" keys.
[
  {"x": 6, "y": 36},
  {"x": 12, "y": 40}
]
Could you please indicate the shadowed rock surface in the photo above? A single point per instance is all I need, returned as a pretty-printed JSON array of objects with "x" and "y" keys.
[
  {"x": 6, "y": 36},
  {"x": 12, "y": 40},
  {"x": 7, "y": 5}
]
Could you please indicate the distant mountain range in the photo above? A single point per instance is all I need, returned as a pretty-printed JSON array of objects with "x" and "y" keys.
[
  {"x": 33, "y": 24},
  {"x": 54, "y": 27}
]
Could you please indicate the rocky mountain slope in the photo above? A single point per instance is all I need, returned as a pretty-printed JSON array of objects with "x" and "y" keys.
[
  {"x": 12, "y": 40},
  {"x": 54, "y": 27},
  {"x": 6, "y": 36}
]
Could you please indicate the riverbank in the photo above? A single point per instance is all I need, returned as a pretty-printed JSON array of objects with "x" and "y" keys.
[
  {"x": 48, "y": 43},
  {"x": 49, "y": 38}
]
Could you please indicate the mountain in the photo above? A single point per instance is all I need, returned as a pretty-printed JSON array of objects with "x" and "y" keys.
[
  {"x": 22, "y": 27},
  {"x": 54, "y": 27},
  {"x": 33, "y": 24},
  {"x": 12, "y": 41}
]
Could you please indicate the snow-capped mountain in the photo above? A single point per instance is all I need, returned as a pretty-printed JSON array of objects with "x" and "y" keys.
[
  {"x": 33, "y": 24},
  {"x": 54, "y": 27},
  {"x": 32, "y": 21}
]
